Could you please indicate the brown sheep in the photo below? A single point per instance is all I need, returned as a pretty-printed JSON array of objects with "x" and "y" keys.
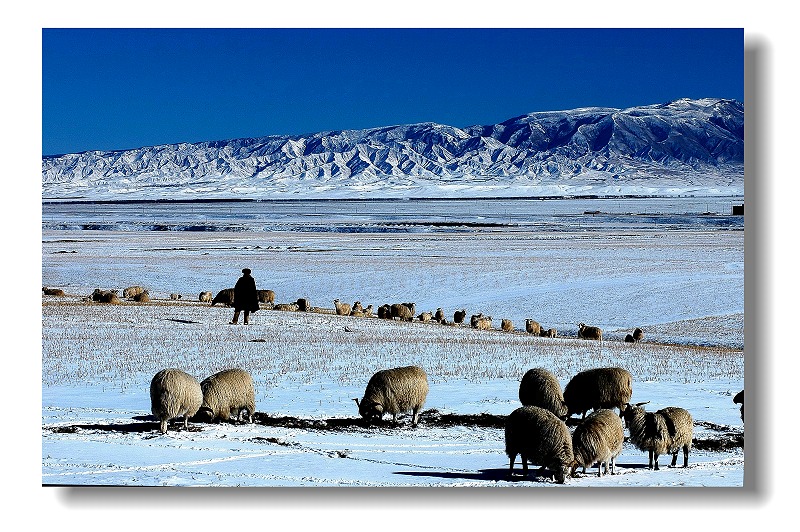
[
  {"x": 223, "y": 297},
  {"x": 131, "y": 291},
  {"x": 142, "y": 297},
  {"x": 205, "y": 297},
  {"x": 266, "y": 296},
  {"x": 549, "y": 333},
  {"x": 589, "y": 333},
  {"x": 385, "y": 312},
  {"x": 637, "y": 334},
  {"x": 105, "y": 296},
  {"x": 458, "y": 316},
  {"x": 533, "y": 327},
  {"x": 342, "y": 309},
  {"x": 404, "y": 311},
  {"x": 481, "y": 322},
  {"x": 392, "y": 391},
  {"x": 439, "y": 315},
  {"x": 506, "y": 325},
  {"x": 52, "y": 291},
  {"x": 425, "y": 317}
]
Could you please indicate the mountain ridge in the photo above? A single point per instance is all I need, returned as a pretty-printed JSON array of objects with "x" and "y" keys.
[{"x": 679, "y": 147}]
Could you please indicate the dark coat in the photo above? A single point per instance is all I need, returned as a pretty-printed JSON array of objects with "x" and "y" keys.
[{"x": 245, "y": 295}]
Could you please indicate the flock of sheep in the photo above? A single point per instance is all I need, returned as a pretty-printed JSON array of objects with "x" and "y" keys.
[{"x": 537, "y": 431}]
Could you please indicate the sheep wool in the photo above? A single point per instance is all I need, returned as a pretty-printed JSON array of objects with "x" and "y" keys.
[
  {"x": 598, "y": 439},
  {"x": 663, "y": 432},
  {"x": 227, "y": 394},
  {"x": 394, "y": 391},
  {"x": 174, "y": 393},
  {"x": 539, "y": 437},
  {"x": 539, "y": 387},
  {"x": 598, "y": 388}
]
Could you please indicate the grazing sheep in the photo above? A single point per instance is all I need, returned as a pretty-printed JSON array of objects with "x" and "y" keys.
[
  {"x": 393, "y": 391},
  {"x": 538, "y": 436},
  {"x": 205, "y": 297},
  {"x": 175, "y": 297},
  {"x": 132, "y": 291},
  {"x": 265, "y": 296},
  {"x": 52, "y": 291},
  {"x": 629, "y": 338},
  {"x": 598, "y": 439},
  {"x": 506, "y": 325},
  {"x": 404, "y": 311},
  {"x": 227, "y": 395},
  {"x": 385, "y": 312},
  {"x": 739, "y": 399},
  {"x": 439, "y": 315},
  {"x": 480, "y": 322},
  {"x": 589, "y": 333},
  {"x": 665, "y": 431},
  {"x": 105, "y": 296},
  {"x": 637, "y": 334},
  {"x": 598, "y": 388},
  {"x": 549, "y": 333},
  {"x": 539, "y": 387},
  {"x": 533, "y": 327},
  {"x": 458, "y": 316},
  {"x": 425, "y": 317},
  {"x": 223, "y": 297},
  {"x": 142, "y": 297},
  {"x": 342, "y": 309},
  {"x": 173, "y": 394}
]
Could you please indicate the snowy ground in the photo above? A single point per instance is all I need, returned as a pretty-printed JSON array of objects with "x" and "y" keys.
[{"x": 684, "y": 287}]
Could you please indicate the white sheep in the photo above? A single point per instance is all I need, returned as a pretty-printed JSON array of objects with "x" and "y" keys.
[
  {"x": 393, "y": 391},
  {"x": 598, "y": 388},
  {"x": 227, "y": 395},
  {"x": 663, "y": 432},
  {"x": 174, "y": 393},
  {"x": 539, "y": 437},
  {"x": 342, "y": 309},
  {"x": 598, "y": 439},
  {"x": 539, "y": 387},
  {"x": 205, "y": 297}
]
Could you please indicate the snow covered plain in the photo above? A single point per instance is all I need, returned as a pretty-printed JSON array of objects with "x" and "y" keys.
[{"x": 664, "y": 266}]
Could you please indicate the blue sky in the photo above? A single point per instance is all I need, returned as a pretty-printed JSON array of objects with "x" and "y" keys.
[{"x": 106, "y": 89}]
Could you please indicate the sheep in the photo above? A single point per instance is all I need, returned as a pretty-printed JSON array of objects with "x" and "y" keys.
[
  {"x": 303, "y": 304},
  {"x": 481, "y": 322},
  {"x": 393, "y": 391},
  {"x": 629, "y": 338},
  {"x": 665, "y": 431},
  {"x": 357, "y": 307},
  {"x": 286, "y": 307},
  {"x": 175, "y": 297},
  {"x": 458, "y": 316},
  {"x": 439, "y": 315},
  {"x": 538, "y": 436},
  {"x": 52, "y": 291},
  {"x": 403, "y": 311},
  {"x": 105, "y": 296},
  {"x": 368, "y": 311},
  {"x": 265, "y": 296},
  {"x": 205, "y": 297},
  {"x": 223, "y": 297},
  {"x": 342, "y": 309},
  {"x": 425, "y": 317},
  {"x": 131, "y": 291},
  {"x": 598, "y": 388},
  {"x": 549, "y": 333},
  {"x": 533, "y": 327},
  {"x": 539, "y": 387},
  {"x": 739, "y": 399},
  {"x": 506, "y": 325},
  {"x": 637, "y": 334},
  {"x": 174, "y": 393},
  {"x": 598, "y": 439},
  {"x": 385, "y": 312},
  {"x": 142, "y": 297},
  {"x": 589, "y": 333},
  {"x": 227, "y": 395}
]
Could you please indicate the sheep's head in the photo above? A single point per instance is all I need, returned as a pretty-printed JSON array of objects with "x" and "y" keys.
[
  {"x": 628, "y": 411},
  {"x": 370, "y": 409}
]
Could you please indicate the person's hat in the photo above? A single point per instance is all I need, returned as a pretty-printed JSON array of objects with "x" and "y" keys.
[{"x": 246, "y": 271}]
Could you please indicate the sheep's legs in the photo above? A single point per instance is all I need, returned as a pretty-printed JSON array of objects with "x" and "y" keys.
[
  {"x": 674, "y": 459},
  {"x": 163, "y": 427},
  {"x": 685, "y": 456},
  {"x": 653, "y": 460},
  {"x": 235, "y": 319}
]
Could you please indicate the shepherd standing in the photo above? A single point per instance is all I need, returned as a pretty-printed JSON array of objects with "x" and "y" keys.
[{"x": 245, "y": 297}]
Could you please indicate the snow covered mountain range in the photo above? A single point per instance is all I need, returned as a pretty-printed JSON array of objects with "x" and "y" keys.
[{"x": 683, "y": 147}]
